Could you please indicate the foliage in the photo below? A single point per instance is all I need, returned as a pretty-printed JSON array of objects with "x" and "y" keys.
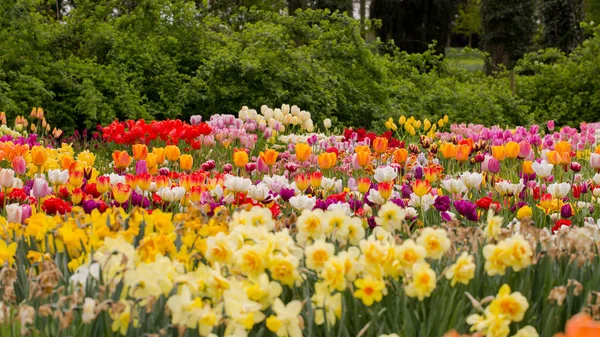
[
  {"x": 468, "y": 21},
  {"x": 508, "y": 26},
  {"x": 560, "y": 19},
  {"x": 414, "y": 24}
]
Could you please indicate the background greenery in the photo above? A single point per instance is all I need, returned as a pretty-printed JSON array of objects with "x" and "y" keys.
[{"x": 95, "y": 61}]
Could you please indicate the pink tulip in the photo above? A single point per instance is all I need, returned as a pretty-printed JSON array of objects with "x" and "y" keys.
[{"x": 19, "y": 165}]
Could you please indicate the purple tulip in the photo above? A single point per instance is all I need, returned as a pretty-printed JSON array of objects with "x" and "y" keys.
[
  {"x": 466, "y": 209},
  {"x": 442, "y": 203}
]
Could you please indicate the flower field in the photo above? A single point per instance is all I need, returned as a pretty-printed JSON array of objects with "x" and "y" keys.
[{"x": 267, "y": 224}]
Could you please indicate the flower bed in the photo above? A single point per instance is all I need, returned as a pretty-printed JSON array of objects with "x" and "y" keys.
[{"x": 267, "y": 224}]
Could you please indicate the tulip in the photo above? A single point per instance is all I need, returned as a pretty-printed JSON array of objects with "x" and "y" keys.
[
  {"x": 26, "y": 212},
  {"x": 141, "y": 167},
  {"x": 261, "y": 166},
  {"x": 38, "y": 155},
  {"x": 327, "y": 160},
  {"x": 143, "y": 181},
  {"x": 448, "y": 150},
  {"x": 385, "y": 189},
  {"x": 66, "y": 162},
  {"x": 364, "y": 184},
  {"x": 121, "y": 159},
  {"x": 269, "y": 156},
  {"x": 363, "y": 158},
  {"x": 400, "y": 156},
  {"x": 76, "y": 178},
  {"x": 302, "y": 182},
  {"x": 499, "y": 152},
  {"x": 121, "y": 192},
  {"x": 553, "y": 157},
  {"x": 40, "y": 188},
  {"x": 186, "y": 162},
  {"x": 462, "y": 152},
  {"x": 315, "y": 179},
  {"x": 14, "y": 213},
  {"x": 159, "y": 154},
  {"x": 150, "y": 161},
  {"x": 7, "y": 178},
  {"x": 140, "y": 151},
  {"x": 525, "y": 149},
  {"x": 562, "y": 147},
  {"x": 513, "y": 149},
  {"x": 582, "y": 325},
  {"x": 240, "y": 158},
  {"x": 76, "y": 196},
  {"x": 524, "y": 212},
  {"x": 102, "y": 184},
  {"x": 527, "y": 167},
  {"x": 380, "y": 144},
  {"x": 361, "y": 148},
  {"x": 559, "y": 190},
  {"x": 431, "y": 174},
  {"x": 19, "y": 165},
  {"x": 303, "y": 152},
  {"x": 172, "y": 153},
  {"x": 421, "y": 187},
  {"x": 595, "y": 161},
  {"x": 490, "y": 164}
]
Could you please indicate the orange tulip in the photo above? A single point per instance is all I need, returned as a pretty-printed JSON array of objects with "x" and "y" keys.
[
  {"x": 582, "y": 325},
  {"x": 361, "y": 148},
  {"x": 421, "y": 187},
  {"x": 240, "y": 157},
  {"x": 553, "y": 157},
  {"x": 186, "y": 162},
  {"x": 363, "y": 158},
  {"x": 159, "y": 153},
  {"x": 303, "y": 152},
  {"x": 562, "y": 147},
  {"x": 140, "y": 151},
  {"x": 121, "y": 159},
  {"x": 269, "y": 156},
  {"x": 327, "y": 160},
  {"x": 315, "y": 179},
  {"x": 121, "y": 192},
  {"x": 385, "y": 189},
  {"x": 400, "y": 156},
  {"x": 38, "y": 155},
  {"x": 565, "y": 158},
  {"x": 302, "y": 182},
  {"x": 66, "y": 162},
  {"x": 380, "y": 144},
  {"x": 172, "y": 152},
  {"x": 512, "y": 149},
  {"x": 499, "y": 152},
  {"x": 448, "y": 150},
  {"x": 462, "y": 152},
  {"x": 363, "y": 185},
  {"x": 527, "y": 169}
]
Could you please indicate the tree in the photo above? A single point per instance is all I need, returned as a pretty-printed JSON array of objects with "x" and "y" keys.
[
  {"x": 508, "y": 27},
  {"x": 415, "y": 24},
  {"x": 560, "y": 20},
  {"x": 468, "y": 21}
]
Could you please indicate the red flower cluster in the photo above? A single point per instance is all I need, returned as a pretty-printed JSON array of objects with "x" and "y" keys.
[
  {"x": 360, "y": 135},
  {"x": 171, "y": 131}
]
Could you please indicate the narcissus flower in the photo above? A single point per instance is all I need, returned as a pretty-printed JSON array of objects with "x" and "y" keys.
[
  {"x": 369, "y": 290},
  {"x": 422, "y": 281}
]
